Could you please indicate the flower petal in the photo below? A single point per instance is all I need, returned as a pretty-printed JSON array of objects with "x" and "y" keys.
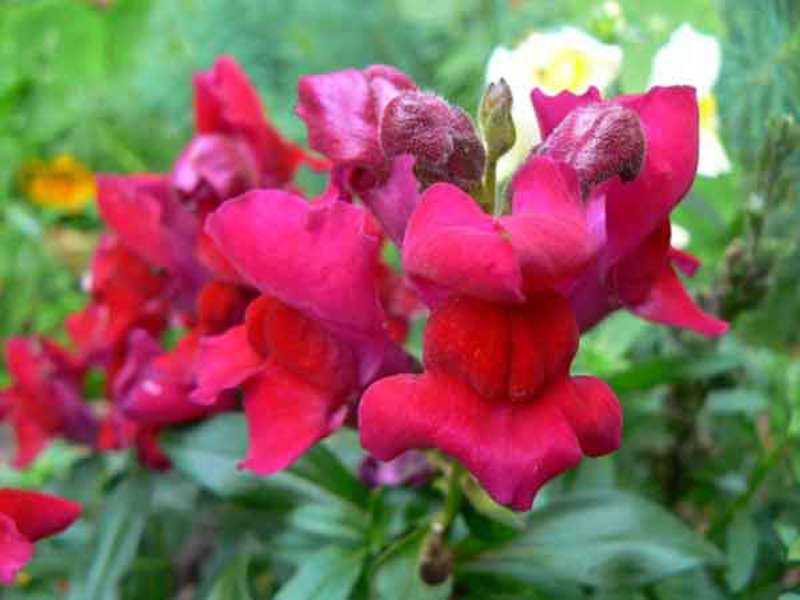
[
  {"x": 548, "y": 226},
  {"x": 36, "y": 514},
  {"x": 15, "y": 550},
  {"x": 685, "y": 262},
  {"x": 226, "y": 102},
  {"x": 394, "y": 201},
  {"x": 285, "y": 417},
  {"x": 451, "y": 243},
  {"x": 550, "y": 110},
  {"x": 317, "y": 258},
  {"x": 149, "y": 219},
  {"x": 342, "y": 111},
  {"x": 153, "y": 386},
  {"x": 635, "y": 209},
  {"x": 595, "y": 415},
  {"x": 513, "y": 448},
  {"x": 222, "y": 363},
  {"x": 670, "y": 304}
]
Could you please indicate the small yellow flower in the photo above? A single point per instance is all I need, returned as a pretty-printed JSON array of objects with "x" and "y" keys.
[
  {"x": 63, "y": 183},
  {"x": 692, "y": 58},
  {"x": 565, "y": 59}
]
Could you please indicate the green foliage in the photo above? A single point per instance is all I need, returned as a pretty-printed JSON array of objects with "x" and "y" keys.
[
  {"x": 603, "y": 540},
  {"x": 116, "y": 539}
]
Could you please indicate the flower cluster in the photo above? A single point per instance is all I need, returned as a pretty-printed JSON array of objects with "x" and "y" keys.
[{"x": 285, "y": 304}]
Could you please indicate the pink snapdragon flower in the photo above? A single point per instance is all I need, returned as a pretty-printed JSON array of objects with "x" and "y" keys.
[
  {"x": 635, "y": 267},
  {"x": 318, "y": 334}
]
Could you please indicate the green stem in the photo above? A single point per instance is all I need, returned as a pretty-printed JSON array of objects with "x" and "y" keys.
[
  {"x": 757, "y": 477},
  {"x": 452, "y": 503}
]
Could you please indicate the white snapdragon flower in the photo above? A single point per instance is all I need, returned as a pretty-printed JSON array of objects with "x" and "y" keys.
[
  {"x": 692, "y": 58},
  {"x": 564, "y": 59}
]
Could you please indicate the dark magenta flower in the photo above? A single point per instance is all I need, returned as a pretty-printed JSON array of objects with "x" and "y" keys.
[
  {"x": 118, "y": 432},
  {"x": 440, "y": 137},
  {"x": 26, "y": 517},
  {"x": 153, "y": 386},
  {"x": 342, "y": 112},
  {"x": 146, "y": 215},
  {"x": 635, "y": 267},
  {"x": 227, "y": 107},
  {"x": 497, "y": 395},
  {"x": 44, "y": 400},
  {"x": 315, "y": 338}
]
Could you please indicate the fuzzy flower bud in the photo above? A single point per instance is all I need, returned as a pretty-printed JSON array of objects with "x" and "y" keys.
[
  {"x": 495, "y": 119},
  {"x": 599, "y": 141},
  {"x": 441, "y": 138}
]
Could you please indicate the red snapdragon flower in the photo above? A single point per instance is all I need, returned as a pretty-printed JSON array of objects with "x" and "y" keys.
[
  {"x": 151, "y": 389},
  {"x": 315, "y": 338},
  {"x": 497, "y": 395},
  {"x": 227, "y": 110},
  {"x": 126, "y": 293},
  {"x": 154, "y": 386},
  {"x": 118, "y": 432},
  {"x": 496, "y": 392},
  {"x": 343, "y": 111},
  {"x": 235, "y": 149},
  {"x": 26, "y": 517},
  {"x": 44, "y": 400},
  {"x": 145, "y": 213},
  {"x": 635, "y": 267},
  {"x": 452, "y": 246}
]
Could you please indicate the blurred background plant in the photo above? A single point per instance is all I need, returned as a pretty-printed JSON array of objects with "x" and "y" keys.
[{"x": 712, "y": 428}]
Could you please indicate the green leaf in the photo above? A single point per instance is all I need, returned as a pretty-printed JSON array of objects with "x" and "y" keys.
[
  {"x": 396, "y": 575},
  {"x": 329, "y": 574},
  {"x": 335, "y": 520},
  {"x": 742, "y": 550},
  {"x": 118, "y": 532},
  {"x": 608, "y": 539},
  {"x": 231, "y": 583},
  {"x": 736, "y": 401},
  {"x": 209, "y": 453},
  {"x": 793, "y": 552},
  {"x": 696, "y": 585},
  {"x": 662, "y": 370}
]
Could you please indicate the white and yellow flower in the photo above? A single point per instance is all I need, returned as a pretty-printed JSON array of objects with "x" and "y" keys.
[
  {"x": 564, "y": 59},
  {"x": 692, "y": 58}
]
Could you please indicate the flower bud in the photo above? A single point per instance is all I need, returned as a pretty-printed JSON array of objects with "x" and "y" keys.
[
  {"x": 599, "y": 141},
  {"x": 495, "y": 119},
  {"x": 441, "y": 138},
  {"x": 436, "y": 562}
]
